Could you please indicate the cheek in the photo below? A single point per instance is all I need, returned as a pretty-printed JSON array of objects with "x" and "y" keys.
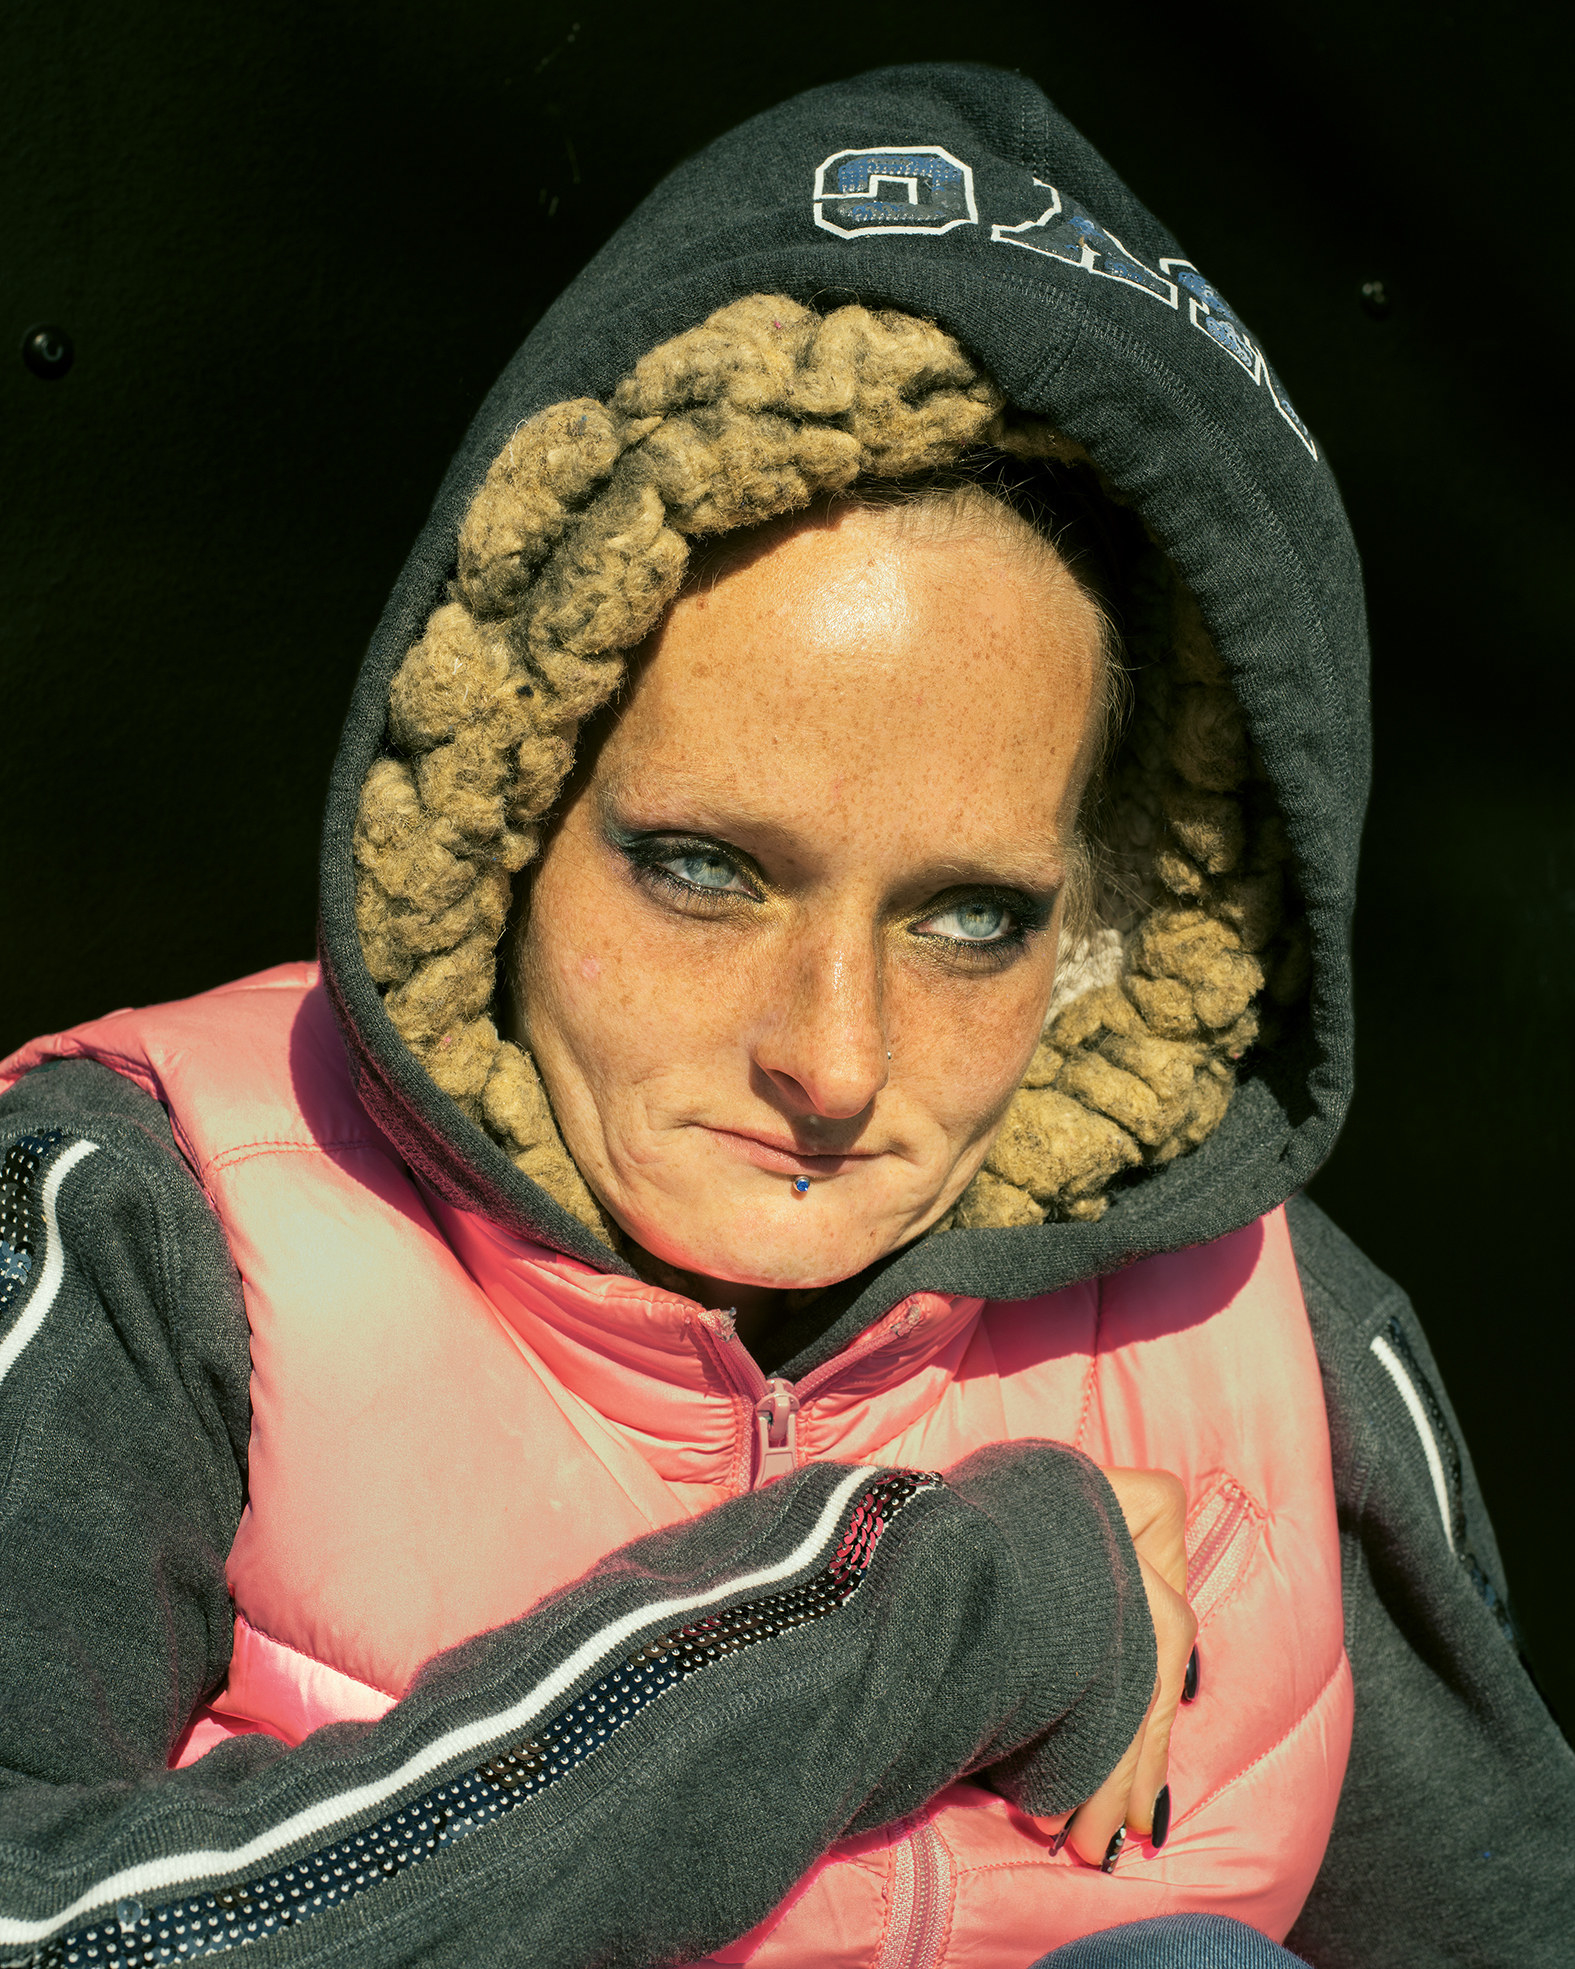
[
  {"x": 575, "y": 997},
  {"x": 964, "y": 1046},
  {"x": 605, "y": 986}
]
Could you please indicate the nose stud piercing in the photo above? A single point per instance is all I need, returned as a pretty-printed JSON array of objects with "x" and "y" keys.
[{"x": 801, "y": 1184}]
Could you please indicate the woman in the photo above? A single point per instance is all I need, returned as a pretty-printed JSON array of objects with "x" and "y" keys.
[{"x": 765, "y": 1058}]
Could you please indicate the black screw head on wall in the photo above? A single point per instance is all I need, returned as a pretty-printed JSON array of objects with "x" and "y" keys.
[
  {"x": 48, "y": 351},
  {"x": 1375, "y": 300}
]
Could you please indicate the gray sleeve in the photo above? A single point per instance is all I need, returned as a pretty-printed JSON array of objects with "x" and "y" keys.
[
  {"x": 1448, "y": 1845},
  {"x": 637, "y": 1771},
  {"x": 124, "y": 1413}
]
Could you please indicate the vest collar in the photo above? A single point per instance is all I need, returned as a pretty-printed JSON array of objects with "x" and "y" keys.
[{"x": 661, "y": 1367}]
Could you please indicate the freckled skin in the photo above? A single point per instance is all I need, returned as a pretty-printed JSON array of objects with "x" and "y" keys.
[{"x": 873, "y": 720}]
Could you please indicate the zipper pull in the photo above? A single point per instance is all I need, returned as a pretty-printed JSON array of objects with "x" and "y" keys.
[{"x": 776, "y": 1431}]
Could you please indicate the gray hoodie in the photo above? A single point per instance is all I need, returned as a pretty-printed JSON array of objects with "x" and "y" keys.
[{"x": 123, "y": 1347}]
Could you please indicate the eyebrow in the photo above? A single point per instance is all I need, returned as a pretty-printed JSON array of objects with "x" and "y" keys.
[
  {"x": 701, "y": 814},
  {"x": 1015, "y": 867}
]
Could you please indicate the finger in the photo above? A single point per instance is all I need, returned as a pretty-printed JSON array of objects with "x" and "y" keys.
[
  {"x": 1054, "y": 1827},
  {"x": 1175, "y": 1629},
  {"x": 1096, "y": 1823},
  {"x": 1153, "y": 1770},
  {"x": 1154, "y": 1505}
]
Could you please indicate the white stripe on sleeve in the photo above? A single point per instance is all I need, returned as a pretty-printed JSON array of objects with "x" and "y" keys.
[{"x": 1394, "y": 1367}]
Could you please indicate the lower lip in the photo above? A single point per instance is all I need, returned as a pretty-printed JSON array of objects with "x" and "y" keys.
[{"x": 785, "y": 1162}]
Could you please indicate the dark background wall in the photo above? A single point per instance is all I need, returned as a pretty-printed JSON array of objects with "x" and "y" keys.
[{"x": 294, "y": 242}]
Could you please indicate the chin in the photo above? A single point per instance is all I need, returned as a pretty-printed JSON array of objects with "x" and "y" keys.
[{"x": 766, "y": 1248}]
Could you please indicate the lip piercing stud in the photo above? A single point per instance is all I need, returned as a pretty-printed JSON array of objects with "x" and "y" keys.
[{"x": 801, "y": 1184}]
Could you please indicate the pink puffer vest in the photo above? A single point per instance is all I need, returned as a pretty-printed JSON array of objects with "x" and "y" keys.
[{"x": 448, "y": 1423}]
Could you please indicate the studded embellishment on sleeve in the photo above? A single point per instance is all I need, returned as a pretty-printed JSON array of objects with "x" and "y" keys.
[
  {"x": 252, "y": 1911},
  {"x": 21, "y": 1216}
]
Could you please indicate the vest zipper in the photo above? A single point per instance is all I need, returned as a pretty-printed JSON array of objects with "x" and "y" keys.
[
  {"x": 776, "y": 1431},
  {"x": 921, "y": 1879},
  {"x": 775, "y": 1400},
  {"x": 1221, "y": 1537}
]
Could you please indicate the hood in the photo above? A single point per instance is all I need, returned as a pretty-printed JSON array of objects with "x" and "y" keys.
[{"x": 960, "y": 196}]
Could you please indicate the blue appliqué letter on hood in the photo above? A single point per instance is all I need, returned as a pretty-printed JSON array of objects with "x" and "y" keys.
[
  {"x": 1065, "y": 232},
  {"x": 911, "y": 188}
]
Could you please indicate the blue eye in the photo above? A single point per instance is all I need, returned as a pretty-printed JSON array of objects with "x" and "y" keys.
[
  {"x": 703, "y": 869},
  {"x": 978, "y": 921}
]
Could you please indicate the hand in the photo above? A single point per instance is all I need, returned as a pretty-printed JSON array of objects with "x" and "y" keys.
[{"x": 1154, "y": 1505}]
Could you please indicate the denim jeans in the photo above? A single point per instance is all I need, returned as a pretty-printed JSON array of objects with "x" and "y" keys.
[{"x": 1177, "y": 1941}]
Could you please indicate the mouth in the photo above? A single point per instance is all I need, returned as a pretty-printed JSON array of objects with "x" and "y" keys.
[{"x": 785, "y": 1157}]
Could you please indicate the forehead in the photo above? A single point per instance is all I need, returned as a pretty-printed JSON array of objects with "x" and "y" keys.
[{"x": 867, "y": 663}]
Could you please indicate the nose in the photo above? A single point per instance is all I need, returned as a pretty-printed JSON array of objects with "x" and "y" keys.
[{"x": 824, "y": 1045}]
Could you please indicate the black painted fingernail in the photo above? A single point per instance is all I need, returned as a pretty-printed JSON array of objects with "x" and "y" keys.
[
  {"x": 1113, "y": 1850},
  {"x": 1161, "y": 1830},
  {"x": 1060, "y": 1840},
  {"x": 1189, "y": 1683}
]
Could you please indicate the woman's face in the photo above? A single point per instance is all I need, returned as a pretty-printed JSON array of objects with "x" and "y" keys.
[{"x": 799, "y": 921}]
